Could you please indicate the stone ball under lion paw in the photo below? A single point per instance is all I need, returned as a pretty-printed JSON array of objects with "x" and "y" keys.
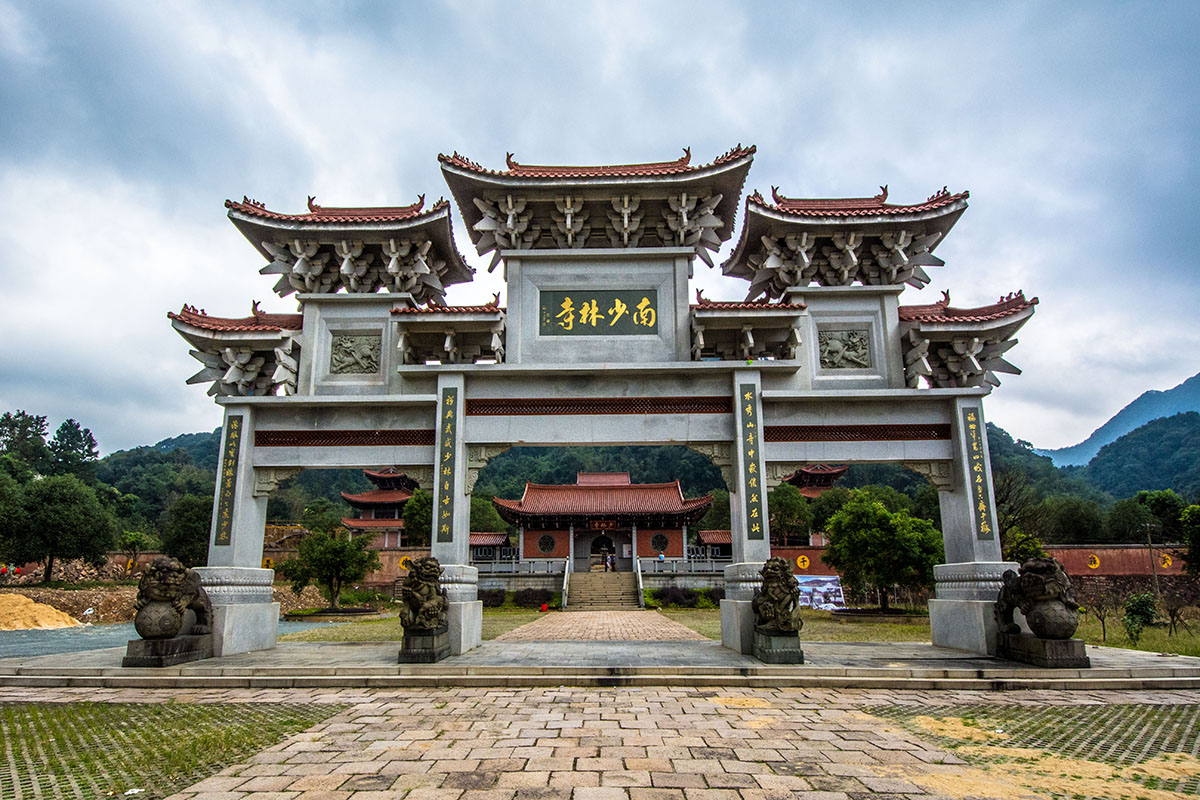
[{"x": 160, "y": 620}]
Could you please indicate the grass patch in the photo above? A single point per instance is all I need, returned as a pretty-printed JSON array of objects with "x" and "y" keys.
[
  {"x": 389, "y": 629},
  {"x": 1106, "y": 751},
  {"x": 819, "y": 626},
  {"x": 1154, "y": 638},
  {"x": 73, "y": 750}
]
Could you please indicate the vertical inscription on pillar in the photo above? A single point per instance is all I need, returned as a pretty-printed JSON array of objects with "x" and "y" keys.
[
  {"x": 448, "y": 425},
  {"x": 229, "y": 469},
  {"x": 751, "y": 442},
  {"x": 977, "y": 475}
]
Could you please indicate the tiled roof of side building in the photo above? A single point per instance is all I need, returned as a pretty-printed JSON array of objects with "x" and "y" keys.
[
  {"x": 612, "y": 499},
  {"x": 719, "y": 305},
  {"x": 517, "y": 170},
  {"x": 378, "y": 496},
  {"x": 373, "y": 523},
  {"x": 943, "y": 312},
  {"x": 318, "y": 213},
  {"x": 716, "y": 537},
  {"x": 490, "y": 308},
  {"x": 853, "y": 206},
  {"x": 487, "y": 539},
  {"x": 257, "y": 321}
]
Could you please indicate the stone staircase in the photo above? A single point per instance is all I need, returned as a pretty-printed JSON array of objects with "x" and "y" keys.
[{"x": 602, "y": 591}]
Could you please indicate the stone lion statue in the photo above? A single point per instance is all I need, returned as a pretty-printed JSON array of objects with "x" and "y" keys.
[
  {"x": 1043, "y": 593},
  {"x": 422, "y": 598},
  {"x": 776, "y": 605},
  {"x": 166, "y": 592}
]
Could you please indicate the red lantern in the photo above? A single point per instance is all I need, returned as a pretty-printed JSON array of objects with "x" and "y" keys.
[{"x": 545, "y": 607}]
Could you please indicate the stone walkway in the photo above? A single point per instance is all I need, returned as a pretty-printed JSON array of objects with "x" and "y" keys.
[{"x": 628, "y": 626}]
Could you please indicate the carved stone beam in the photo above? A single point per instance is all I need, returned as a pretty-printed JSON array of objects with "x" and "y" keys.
[
  {"x": 938, "y": 473},
  {"x": 421, "y": 474},
  {"x": 776, "y": 471},
  {"x": 477, "y": 457},
  {"x": 721, "y": 455},
  {"x": 625, "y": 221},
  {"x": 267, "y": 479}
]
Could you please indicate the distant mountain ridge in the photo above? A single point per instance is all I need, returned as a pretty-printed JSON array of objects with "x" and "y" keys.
[{"x": 1149, "y": 406}]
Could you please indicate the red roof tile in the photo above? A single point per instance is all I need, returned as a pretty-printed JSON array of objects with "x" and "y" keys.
[
  {"x": 852, "y": 206},
  {"x": 942, "y": 312},
  {"x": 258, "y": 321},
  {"x": 602, "y": 479},
  {"x": 716, "y": 537},
  {"x": 488, "y": 539},
  {"x": 337, "y": 215},
  {"x": 377, "y": 497},
  {"x": 676, "y": 167},
  {"x": 607, "y": 500},
  {"x": 717, "y": 305}
]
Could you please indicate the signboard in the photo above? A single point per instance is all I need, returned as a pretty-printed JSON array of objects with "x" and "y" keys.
[
  {"x": 229, "y": 469},
  {"x": 447, "y": 443},
  {"x": 756, "y": 502},
  {"x": 822, "y": 592},
  {"x": 602, "y": 524},
  {"x": 598, "y": 312},
  {"x": 985, "y": 526}
]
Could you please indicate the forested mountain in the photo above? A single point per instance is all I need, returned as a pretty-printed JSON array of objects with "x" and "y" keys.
[
  {"x": 1149, "y": 406},
  {"x": 1162, "y": 454},
  {"x": 204, "y": 448}
]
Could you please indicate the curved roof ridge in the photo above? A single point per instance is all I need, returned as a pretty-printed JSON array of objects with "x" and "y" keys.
[
  {"x": 519, "y": 170},
  {"x": 257, "y": 321},
  {"x": 942, "y": 311},
  {"x": 852, "y": 206},
  {"x": 316, "y": 213}
]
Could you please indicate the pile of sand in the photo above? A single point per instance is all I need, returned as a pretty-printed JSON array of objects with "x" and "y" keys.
[{"x": 20, "y": 613}]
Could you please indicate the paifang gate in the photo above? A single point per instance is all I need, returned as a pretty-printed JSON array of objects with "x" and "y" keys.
[{"x": 599, "y": 344}]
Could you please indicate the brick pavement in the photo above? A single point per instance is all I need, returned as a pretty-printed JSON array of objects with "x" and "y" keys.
[
  {"x": 591, "y": 744},
  {"x": 603, "y": 626},
  {"x": 601, "y": 744}
]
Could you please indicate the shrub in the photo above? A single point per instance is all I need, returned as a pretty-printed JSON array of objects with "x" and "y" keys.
[
  {"x": 648, "y": 599},
  {"x": 364, "y": 597},
  {"x": 1139, "y": 612},
  {"x": 716, "y": 595},
  {"x": 492, "y": 598},
  {"x": 532, "y": 598},
  {"x": 676, "y": 596}
]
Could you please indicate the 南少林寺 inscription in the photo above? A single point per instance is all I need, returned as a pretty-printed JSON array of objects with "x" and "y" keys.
[{"x": 596, "y": 312}]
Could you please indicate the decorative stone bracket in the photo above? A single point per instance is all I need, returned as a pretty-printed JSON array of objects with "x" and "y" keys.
[
  {"x": 267, "y": 479},
  {"x": 776, "y": 472},
  {"x": 938, "y": 473},
  {"x": 477, "y": 457},
  {"x": 721, "y": 455}
]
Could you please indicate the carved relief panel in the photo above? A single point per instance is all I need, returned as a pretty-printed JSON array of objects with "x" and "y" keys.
[
  {"x": 355, "y": 354},
  {"x": 844, "y": 349}
]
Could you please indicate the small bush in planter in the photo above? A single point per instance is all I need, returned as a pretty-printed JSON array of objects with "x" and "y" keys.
[{"x": 492, "y": 598}]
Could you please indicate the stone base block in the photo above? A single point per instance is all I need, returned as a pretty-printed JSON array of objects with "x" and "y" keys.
[
  {"x": 425, "y": 647},
  {"x": 964, "y": 625},
  {"x": 167, "y": 652},
  {"x": 1053, "y": 653},
  {"x": 242, "y": 627},
  {"x": 465, "y": 625},
  {"x": 774, "y": 648},
  {"x": 737, "y": 626}
]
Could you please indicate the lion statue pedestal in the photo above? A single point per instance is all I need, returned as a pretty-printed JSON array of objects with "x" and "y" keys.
[
  {"x": 1042, "y": 592},
  {"x": 423, "y": 614},
  {"x": 174, "y": 618},
  {"x": 777, "y": 620}
]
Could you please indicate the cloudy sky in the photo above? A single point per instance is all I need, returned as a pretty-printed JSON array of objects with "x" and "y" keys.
[{"x": 126, "y": 125}]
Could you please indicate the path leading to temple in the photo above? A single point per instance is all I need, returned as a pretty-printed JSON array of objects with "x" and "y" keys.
[{"x": 610, "y": 626}]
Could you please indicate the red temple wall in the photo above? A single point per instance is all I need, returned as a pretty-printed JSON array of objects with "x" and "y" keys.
[
  {"x": 562, "y": 544},
  {"x": 674, "y": 543}
]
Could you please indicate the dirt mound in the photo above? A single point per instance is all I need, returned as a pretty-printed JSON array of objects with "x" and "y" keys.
[{"x": 20, "y": 613}]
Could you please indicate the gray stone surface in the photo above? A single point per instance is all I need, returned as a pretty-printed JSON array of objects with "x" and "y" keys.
[
  {"x": 964, "y": 624},
  {"x": 243, "y": 627},
  {"x": 466, "y": 625},
  {"x": 1050, "y": 653},
  {"x": 167, "y": 652},
  {"x": 772, "y": 648},
  {"x": 424, "y": 647},
  {"x": 737, "y": 625}
]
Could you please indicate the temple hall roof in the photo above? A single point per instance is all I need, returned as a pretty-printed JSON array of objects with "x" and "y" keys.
[
  {"x": 942, "y": 312},
  {"x": 258, "y": 321},
  {"x": 341, "y": 216},
  {"x": 603, "y": 495},
  {"x": 679, "y": 166},
  {"x": 854, "y": 206},
  {"x": 377, "y": 497}
]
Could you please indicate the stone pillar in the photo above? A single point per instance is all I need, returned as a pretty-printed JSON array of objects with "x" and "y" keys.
[
  {"x": 571, "y": 547},
  {"x": 961, "y": 615},
  {"x": 632, "y": 539},
  {"x": 245, "y": 616},
  {"x": 451, "y": 544},
  {"x": 751, "y": 536}
]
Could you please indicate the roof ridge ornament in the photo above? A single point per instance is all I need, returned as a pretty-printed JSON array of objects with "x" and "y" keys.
[{"x": 337, "y": 211}]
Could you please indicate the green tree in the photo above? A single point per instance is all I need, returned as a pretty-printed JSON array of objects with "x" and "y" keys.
[
  {"x": 24, "y": 436},
  {"x": 870, "y": 545},
  {"x": 418, "y": 519},
  {"x": 330, "y": 560},
  {"x": 63, "y": 519},
  {"x": 829, "y": 503},
  {"x": 717, "y": 516},
  {"x": 1019, "y": 546},
  {"x": 1166, "y": 506},
  {"x": 1129, "y": 522},
  {"x": 73, "y": 451},
  {"x": 13, "y": 520},
  {"x": 322, "y": 515},
  {"x": 789, "y": 515},
  {"x": 185, "y": 535},
  {"x": 927, "y": 505},
  {"x": 1189, "y": 520},
  {"x": 133, "y": 544},
  {"x": 892, "y": 499},
  {"x": 1067, "y": 519},
  {"x": 485, "y": 517},
  {"x": 15, "y": 467}
]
